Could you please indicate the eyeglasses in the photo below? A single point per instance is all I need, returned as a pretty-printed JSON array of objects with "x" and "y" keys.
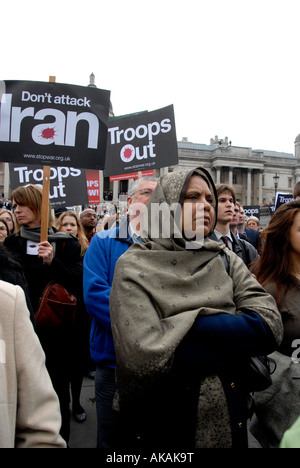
[{"x": 144, "y": 192}]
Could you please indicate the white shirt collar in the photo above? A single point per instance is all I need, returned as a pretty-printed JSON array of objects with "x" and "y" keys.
[{"x": 219, "y": 235}]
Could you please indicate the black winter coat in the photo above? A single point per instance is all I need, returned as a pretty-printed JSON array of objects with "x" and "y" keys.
[
  {"x": 66, "y": 267},
  {"x": 11, "y": 272}
]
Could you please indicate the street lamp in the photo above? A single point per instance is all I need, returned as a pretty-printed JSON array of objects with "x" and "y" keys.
[{"x": 276, "y": 179}]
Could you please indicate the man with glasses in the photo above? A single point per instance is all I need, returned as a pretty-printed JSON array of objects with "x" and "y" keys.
[
  {"x": 99, "y": 266},
  {"x": 88, "y": 220},
  {"x": 138, "y": 195}
]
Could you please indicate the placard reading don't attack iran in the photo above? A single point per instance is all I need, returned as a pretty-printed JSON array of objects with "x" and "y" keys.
[
  {"x": 141, "y": 142},
  {"x": 53, "y": 124}
]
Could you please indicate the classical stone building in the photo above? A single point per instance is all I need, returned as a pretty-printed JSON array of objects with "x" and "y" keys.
[{"x": 250, "y": 171}]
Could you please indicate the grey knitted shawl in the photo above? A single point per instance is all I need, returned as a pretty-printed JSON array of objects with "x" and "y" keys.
[{"x": 160, "y": 288}]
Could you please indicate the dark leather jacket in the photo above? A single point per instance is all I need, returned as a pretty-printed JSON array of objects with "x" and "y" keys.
[
  {"x": 242, "y": 249},
  {"x": 246, "y": 251}
]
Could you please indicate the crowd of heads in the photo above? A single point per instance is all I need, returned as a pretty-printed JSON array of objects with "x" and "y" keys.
[{"x": 85, "y": 224}]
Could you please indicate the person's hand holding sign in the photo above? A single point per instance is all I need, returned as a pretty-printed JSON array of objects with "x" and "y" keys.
[{"x": 46, "y": 252}]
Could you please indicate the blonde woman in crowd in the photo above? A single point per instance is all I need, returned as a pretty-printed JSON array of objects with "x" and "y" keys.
[
  {"x": 3, "y": 231},
  {"x": 9, "y": 218},
  {"x": 69, "y": 222}
]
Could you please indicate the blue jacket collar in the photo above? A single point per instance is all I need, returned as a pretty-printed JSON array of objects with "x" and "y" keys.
[{"x": 122, "y": 233}]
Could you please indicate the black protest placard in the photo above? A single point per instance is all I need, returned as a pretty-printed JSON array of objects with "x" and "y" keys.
[
  {"x": 282, "y": 198},
  {"x": 252, "y": 210},
  {"x": 53, "y": 124},
  {"x": 68, "y": 185},
  {"x": 141, "y": 141}
]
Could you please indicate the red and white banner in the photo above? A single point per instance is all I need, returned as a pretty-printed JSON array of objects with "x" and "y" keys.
[
  {"x": 133, "y": 175},
  {"x": 93, "y": 186}
]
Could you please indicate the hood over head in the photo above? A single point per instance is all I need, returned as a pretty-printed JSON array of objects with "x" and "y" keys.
[{"x": 161, "y": 219}]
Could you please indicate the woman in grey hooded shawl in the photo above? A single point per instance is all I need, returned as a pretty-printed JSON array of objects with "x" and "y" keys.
[{"x": 185, "y": 325}]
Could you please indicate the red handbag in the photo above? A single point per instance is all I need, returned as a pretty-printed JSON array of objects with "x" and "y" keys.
[{"x": 57, "y": 307}]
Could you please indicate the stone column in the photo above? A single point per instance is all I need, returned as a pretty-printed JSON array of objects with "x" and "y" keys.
[
  {"x": 230, "y": 176},
  {"x": 297, "y": 175},
  {"x": 116, "y": 190},
  {"x": 101, "y": 188},
  {"x": 249, "y": 187},
  {"x": 6, "y": 180},
  {"x": 260, "y": 187},
  {"x": 218, "y": 175},
  {"x": 163, "y": 170}
]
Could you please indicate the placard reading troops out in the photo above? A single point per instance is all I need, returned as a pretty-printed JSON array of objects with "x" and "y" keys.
[
  {"x": 53, "y": 124},
  {"x": 68, "y": 185},
  {"x": 282, "y": 198},
  {"x": 252, "y": 210},
  {"x": 141, "y": 141}
]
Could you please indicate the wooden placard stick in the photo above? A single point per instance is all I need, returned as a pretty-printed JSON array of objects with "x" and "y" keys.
[
  {"x": 45, "y": 194},
  {"x": 45, "y": 203}
]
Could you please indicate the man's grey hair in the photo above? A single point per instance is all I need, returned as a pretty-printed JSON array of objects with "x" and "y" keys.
[{"x": 134, "y": 186}]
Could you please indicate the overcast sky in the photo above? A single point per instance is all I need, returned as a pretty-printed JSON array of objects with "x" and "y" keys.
[{"x": 229, "y": 67}]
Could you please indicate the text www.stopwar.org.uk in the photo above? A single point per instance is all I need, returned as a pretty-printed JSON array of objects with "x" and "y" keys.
[{"x": 44, "y": 157}]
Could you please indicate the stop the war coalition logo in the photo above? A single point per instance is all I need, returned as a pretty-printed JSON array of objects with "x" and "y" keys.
[
  {"x": 53, "y": 124},
  {"x": 142, "y": 141}
]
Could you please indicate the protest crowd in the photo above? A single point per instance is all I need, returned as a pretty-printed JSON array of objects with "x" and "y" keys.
[{"x": 188, "y": 321}]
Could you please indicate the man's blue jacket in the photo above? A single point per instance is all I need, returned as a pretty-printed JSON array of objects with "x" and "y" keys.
[{"x": 99, "y": 266}]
